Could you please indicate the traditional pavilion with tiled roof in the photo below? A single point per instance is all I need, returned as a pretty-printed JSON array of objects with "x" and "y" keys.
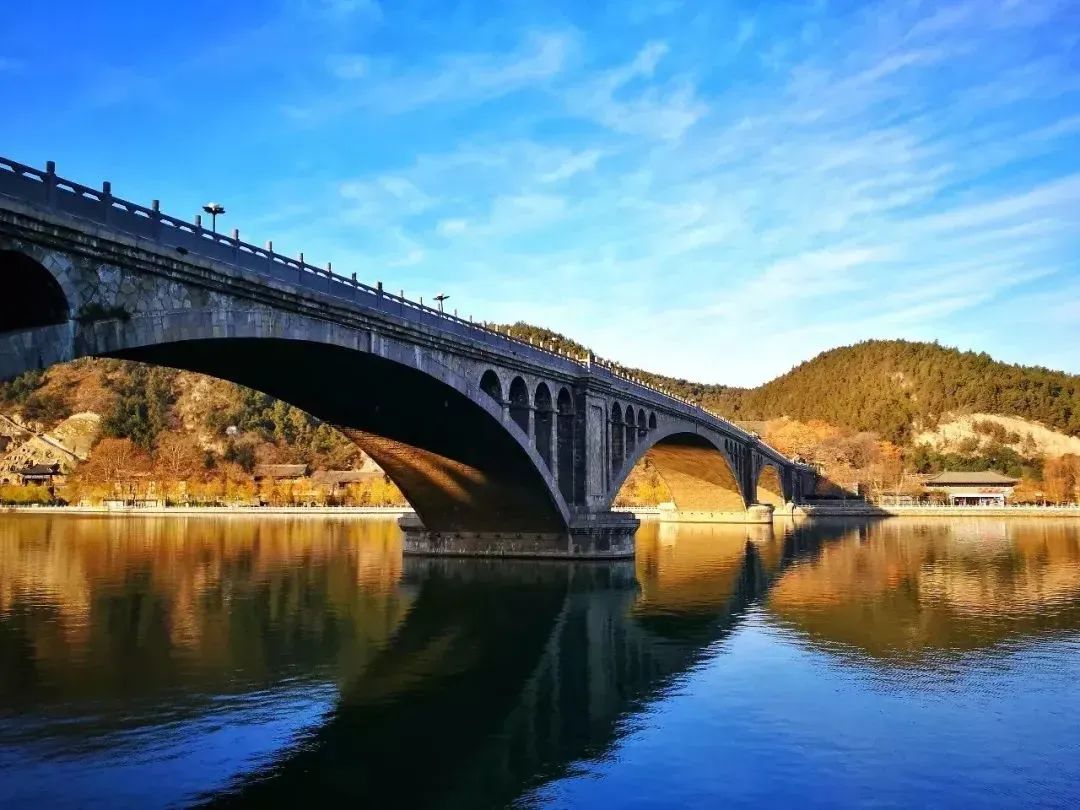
[
  {"x": 336, "y": 480},
  {"x": 40, "y": 473},
  {"x": 280, "y": 472},
  {"x": 986, "y": 488}
]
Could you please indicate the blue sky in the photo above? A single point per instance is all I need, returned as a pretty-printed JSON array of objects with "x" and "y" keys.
[{"x": 707, "y": 189}]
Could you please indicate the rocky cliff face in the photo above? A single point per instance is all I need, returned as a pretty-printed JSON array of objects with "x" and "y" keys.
[{"x": 67, "y": 444}]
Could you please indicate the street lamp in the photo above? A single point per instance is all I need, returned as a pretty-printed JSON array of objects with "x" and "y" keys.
[
  {"x": 213, "y": 209},
  {"x": 440, "y": 298}
]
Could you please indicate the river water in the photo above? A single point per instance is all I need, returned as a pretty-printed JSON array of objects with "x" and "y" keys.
[{"x": 227, "y": 661}]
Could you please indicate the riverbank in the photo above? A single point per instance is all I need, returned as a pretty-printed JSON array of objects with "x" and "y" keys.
[
  {"x": 382, "y": 511},
  {"x": 216, "y": 511},
  {"x": 870, "y": 510},
  {"x": 643, "y": 512}
]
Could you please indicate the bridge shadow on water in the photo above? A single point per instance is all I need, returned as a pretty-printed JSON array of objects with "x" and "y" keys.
[{"x": 505, "y": 673}]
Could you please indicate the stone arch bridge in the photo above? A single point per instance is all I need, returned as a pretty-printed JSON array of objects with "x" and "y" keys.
[{"x": 501, "y": 446}]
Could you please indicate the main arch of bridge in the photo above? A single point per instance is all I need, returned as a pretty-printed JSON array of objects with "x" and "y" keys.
[{"x": 440, "y": 435}]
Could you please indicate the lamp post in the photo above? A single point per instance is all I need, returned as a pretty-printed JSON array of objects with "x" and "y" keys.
[
  {"x": 440, "y": 298},
  {"x": 213, "y": 209}
]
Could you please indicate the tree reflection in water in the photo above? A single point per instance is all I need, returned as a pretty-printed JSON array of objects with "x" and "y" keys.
[{"x": 921, "y": 594}]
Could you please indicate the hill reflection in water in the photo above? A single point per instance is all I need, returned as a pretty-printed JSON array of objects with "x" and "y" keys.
[
  {"x": 234, "y": 660},
  {"x": 918, "y": 594}
]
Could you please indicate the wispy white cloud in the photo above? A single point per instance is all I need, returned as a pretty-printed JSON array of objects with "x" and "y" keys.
[
  {"x": 644, "y": 11},
  {"x": 349, "y": 66},
  {"x": 613, "y": 98},
  {"x": 709, "y": 195},
  {"x": 452, "y": 227},
  {"x": 1056, "y": 195},
  {"x": 460, "y": 78},
  {"x": 574, "y": 164},
  {"x": 745, "y": 32},
  {"x": 341, "y": 10},
  {"x": 386, "y": 198}
]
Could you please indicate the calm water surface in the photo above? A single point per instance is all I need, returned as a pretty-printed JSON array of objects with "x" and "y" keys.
[{"x": 220, "y": 661}]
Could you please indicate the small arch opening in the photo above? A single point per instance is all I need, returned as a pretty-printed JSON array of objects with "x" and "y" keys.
[
  {"x": 32, "y": 297},
  {"x": 491, "y": 385},
  {"x": 519, "y": 403},
  {"x": 769, "y": 487},
  {"x": 698, "y": 474},
  {"x": 543, "y": 420},
  {"x": 652, "y": 421},
  {"x": 631, "y": 431}
]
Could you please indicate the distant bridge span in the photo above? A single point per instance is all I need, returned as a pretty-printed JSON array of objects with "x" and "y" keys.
[{"x": 501, "y": 446}]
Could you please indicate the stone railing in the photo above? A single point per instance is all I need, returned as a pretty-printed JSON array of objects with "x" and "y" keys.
[{"x": 48, "y": 190}]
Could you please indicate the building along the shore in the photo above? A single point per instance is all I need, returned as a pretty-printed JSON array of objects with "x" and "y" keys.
[{"x": 987, "y": 488}]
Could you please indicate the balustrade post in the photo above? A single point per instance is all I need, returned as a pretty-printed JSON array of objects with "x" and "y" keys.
[
  {"x": 50, "y": 183},
  {"x": 106, "y": 201},
  {"x": 155, "y": 217}
]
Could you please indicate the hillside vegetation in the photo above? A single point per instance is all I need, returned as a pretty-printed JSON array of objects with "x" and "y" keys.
[
  {"x": 1021, "y": 434},
  {"x": 869, "y": 413},
  {"x": 155, "y": 429},
  {"x": 895, "y": 388}
]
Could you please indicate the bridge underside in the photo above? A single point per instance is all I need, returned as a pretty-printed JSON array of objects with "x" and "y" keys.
[
  {"x": 770, "y": 490},
  {"x": 457, "y": 465},
  {"x": 697, "y": 474}
]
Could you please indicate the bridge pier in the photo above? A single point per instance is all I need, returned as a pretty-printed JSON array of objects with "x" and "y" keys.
[
  {"x": 602, "y": 536},
  {"x": 756, "y": 513}
]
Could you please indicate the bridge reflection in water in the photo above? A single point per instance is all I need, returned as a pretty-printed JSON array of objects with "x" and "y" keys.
[
  {"x": 461, "y": 682},
  {"x": 504, "y": 673}
]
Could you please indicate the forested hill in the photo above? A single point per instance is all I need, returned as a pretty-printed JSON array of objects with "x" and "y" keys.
[{"x": 891, "y": 387}]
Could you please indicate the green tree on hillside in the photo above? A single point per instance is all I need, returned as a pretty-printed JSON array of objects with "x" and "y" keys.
[{"x": 143, "y": 405}]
